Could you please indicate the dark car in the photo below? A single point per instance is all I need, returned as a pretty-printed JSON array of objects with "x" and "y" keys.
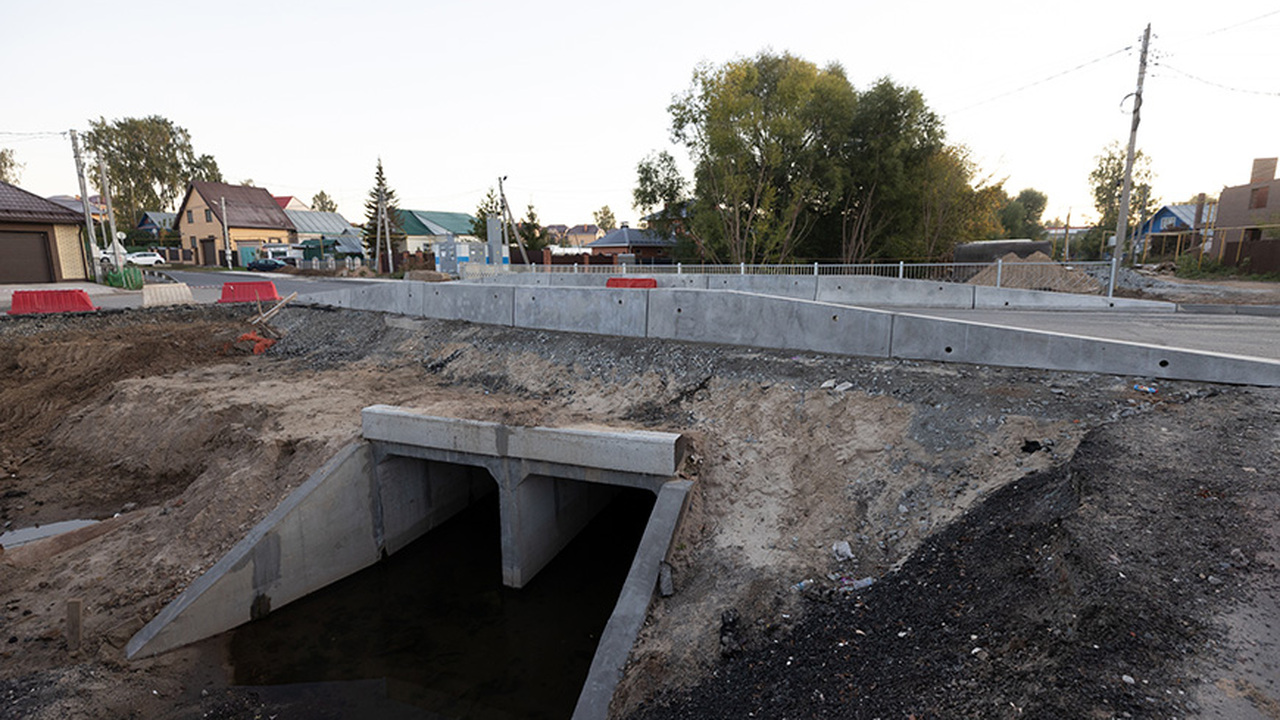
[{"x": 266, "y": 265}]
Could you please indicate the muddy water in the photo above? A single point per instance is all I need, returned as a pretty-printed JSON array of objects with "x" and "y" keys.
[{"x": 431, "y": 631}]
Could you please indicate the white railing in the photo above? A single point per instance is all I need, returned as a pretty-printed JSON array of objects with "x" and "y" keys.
[
  {"x": 350, "y": 263},
  {"x": 1091, "y": 278}
]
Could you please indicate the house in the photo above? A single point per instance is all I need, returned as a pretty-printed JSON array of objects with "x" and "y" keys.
[
  {"x": 1173, "y": 228},
  {"x": 424, "y": 228},
  {"x": 253, "y": 219},
  {"x": 157, "y": 223},
  {"x": 327, "y": 231},
  {"x": 289, "y": 202},
  {"x": 39, "y": 240},
  {"x": 1248, "y": 221},
  {"x": 643, "y": 244},
  {"x": 557, "y": 234},
  {"x": 97, "y": 205},
  {"x": 580, "y": 235}
]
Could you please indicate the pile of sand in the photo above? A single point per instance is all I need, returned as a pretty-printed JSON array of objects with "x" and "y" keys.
[{"x": 1037, "y": 272}]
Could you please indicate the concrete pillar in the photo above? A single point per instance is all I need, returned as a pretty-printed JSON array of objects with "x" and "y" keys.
[
  {"x": 539, "y": 516},
  {"x": 416, "y": 495}
]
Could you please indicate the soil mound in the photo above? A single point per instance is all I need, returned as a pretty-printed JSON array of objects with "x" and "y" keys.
[{"x": 1036, "y": 272}]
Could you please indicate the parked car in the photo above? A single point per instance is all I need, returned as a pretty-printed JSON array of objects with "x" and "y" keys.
[
  {"x": 266, "y": 265},
  {"x": 147, "y": 258}
]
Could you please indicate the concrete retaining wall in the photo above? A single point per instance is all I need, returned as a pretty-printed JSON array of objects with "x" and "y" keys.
[
  {"x": 879, "y": 292},
  {"x": 602, "y": 311},
  {"x": 990, "y": 298}
]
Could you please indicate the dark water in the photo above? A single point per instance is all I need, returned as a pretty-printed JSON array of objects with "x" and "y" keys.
[{"x": 441, "y": 636}]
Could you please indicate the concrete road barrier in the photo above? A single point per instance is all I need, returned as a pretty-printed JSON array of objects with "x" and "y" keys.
[{"x": 166, "y": 294}]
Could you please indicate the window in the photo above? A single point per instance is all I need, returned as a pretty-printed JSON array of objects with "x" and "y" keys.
[
  {"x": 1258, "y": 197},
  {"x": 208, "y": 215},
  {"x": 193, "y": 242},
  {"x": 190, "y": 218}
]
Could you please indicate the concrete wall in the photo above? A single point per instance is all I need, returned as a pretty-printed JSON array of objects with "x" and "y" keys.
[
  {"x": 602, "y": 311},
  {"x": 879, "y": 291}
]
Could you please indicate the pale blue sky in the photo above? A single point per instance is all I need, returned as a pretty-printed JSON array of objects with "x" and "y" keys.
[{"x": 565, "y": 98}]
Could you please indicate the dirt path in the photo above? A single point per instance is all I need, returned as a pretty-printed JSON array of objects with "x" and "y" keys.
[{"x": 926, "y": 471}]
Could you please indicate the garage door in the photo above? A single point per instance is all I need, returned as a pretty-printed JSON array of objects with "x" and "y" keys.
[{"x": 24, "y": 258}]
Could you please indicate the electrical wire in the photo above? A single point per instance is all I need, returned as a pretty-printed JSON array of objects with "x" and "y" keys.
[
  {"x": 1218, "y": 85},
  {"x": 1044, "y": 80}
]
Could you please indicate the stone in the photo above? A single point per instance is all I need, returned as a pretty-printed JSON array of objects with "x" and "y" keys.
[
  {"x": 842, "y": 387},
  {"x": 841, "y": 550},
  {"x": 666, "y": 588}
]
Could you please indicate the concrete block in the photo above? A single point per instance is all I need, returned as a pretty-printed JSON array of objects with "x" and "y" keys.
[
  {"x": 602, "y": 311},
  {"x": 385, "y": 423},
  {"x": 735, "y": 318},
  {"x": 166, "y": 294},
  {"x": 801, "y": 287},
  {"x": 322, "y": 532},
  {"x": 986, "y": 297},
  {"x": 918, "y": 337},
  {"x": 892, "y": 292},
  {"x": 489, "y": 304},
  {"x": 636, "y": 451}
]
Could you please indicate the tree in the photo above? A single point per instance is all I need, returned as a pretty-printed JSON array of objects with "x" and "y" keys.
[
  {"x": 321, "y": 202},
  {"x": 10, "y": 168},
  {"x": 149, "y": 162},
  {"x": 535, "y": 236},
  {"x": 660, "y": 197},
  {"x": 952, "y": 208},
  {"x": 760, "y": 132},
  {"x": 490, "y": 205},
  {"x": 1020, "y": 216},
  {"x": 1107, "y": 179},
  {"x": 604, "y": 219},
  {"x": 369, "y": 231}
]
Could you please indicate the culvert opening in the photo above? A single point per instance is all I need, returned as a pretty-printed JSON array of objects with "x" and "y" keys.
[{"x": 433, "y": 628}]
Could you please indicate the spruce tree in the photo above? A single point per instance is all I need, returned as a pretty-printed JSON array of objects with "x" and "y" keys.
[{"x": 369, "y": 231}]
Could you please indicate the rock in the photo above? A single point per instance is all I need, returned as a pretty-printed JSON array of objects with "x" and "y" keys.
[
  {"x": 128, "y": 507},
  {"x": 666, "y": 588},
  {"x": 863, "y": 583},
  {"x": 828, "y": 384},
  {"x": 730, "y": 637},
  {"x": 841, "y": 550},
  {"x": 1128, "y": 679},
  {"x": 843, "y": 386}
]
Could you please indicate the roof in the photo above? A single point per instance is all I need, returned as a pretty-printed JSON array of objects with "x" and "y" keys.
[
  {"x": 584, "y": 230},
  {"x": 314, "y": 222},
  {"x": 247, "y": 207},
  {"x": 435, "y": 222},
  {"x": 156, "y": 219},
  {"x": 97, "y": 205},
  {"x": 632, "y": 237},
  {"x": 18, "y": 205},
  {"x": 283, "y": 201}
]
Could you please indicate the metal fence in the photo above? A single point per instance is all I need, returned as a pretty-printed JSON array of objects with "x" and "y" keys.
[
  {"x": 350, "y": 263},
  {"x": 1090, "y": 278}
]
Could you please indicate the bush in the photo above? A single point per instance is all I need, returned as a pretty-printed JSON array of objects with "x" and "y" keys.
[{"x": 1193, "y": 267}]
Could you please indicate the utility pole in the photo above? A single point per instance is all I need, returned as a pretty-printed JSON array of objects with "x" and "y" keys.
[
  {"x": 377, "y": 235},
  {"x": 386, "y": 224},
  {"x": 1122, "y": 222},
  {"x": 510, "y": 220},
  {"x": 114, "y": 244},
  {"x": 226, "y": 233},
  {"x": 1066, "y": 239},
  {"x": 84, "y": 205}
]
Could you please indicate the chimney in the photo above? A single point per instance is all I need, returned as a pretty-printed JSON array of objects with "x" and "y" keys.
[
  {"x": 1264, "y": 170},
  {"x": 623, "y": 225}
]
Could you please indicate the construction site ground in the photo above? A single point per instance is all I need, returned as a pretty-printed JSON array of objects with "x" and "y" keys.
[{"x": 1019, "y": 543}]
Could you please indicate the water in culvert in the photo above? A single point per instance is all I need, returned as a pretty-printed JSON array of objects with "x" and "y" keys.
[{"x": 432, "y": 632}]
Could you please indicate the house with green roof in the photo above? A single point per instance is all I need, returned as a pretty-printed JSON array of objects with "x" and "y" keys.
[{"x": 425, "y": 228}]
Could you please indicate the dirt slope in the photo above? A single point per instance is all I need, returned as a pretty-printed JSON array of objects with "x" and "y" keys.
[{"x": 198, "y": 443}]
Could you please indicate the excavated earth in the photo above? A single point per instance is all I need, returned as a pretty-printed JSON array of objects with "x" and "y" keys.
[{"x": 1019, "y": 543}]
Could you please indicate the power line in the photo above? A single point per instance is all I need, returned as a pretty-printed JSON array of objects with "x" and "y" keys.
[
  {"x": 1218, "y": 85},
  {"x": 1044, "y": 80},
  {"x": 1241, "y": 23}
]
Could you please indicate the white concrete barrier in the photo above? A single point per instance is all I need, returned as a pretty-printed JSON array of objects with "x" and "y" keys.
[{"x": 166, "y": 294}]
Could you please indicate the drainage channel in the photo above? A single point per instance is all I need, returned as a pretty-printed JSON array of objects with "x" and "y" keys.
[{"x": 431, "y": 631}]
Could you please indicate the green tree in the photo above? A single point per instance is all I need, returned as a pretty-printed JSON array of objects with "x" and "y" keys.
[
  {"x": 149, "y": 162},
  {"x": 1107, "y": 179},
  {"x": 955, "y": 207},
  {"x": 760, "y": 132},
  {"x": 604, "y": 219},
  {"x": 490, "y": 205},
  {"x": 1020, "y": 216},
  {"x": 535, "y": 236},
  {"x": 10, "y": 168},
  {"x": 321, "y": 202},
  {"x": 661, "y": 198},
  {"x": 369, "y": 231}
]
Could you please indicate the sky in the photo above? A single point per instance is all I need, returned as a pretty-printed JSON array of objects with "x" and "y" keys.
[{"x": 565, "y": 98}]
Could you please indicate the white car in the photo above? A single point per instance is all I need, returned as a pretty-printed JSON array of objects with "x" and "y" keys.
[{"x": 144, "y": 258}]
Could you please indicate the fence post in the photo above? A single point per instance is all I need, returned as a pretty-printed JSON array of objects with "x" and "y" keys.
[
  {"x": 575, "y": 268},
  {"x": 742, "y": 268},
  {"x": 815, "y": 269},
  {"x": 902, "y": 269},
  {"x": 1111, "y": 285},
  {"x": 679, "y": 268},
  {"x": 999, "y": 270}
]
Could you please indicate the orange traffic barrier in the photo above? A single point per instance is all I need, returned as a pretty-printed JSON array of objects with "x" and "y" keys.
[
  {"x": 629, "y": 282},
  {"x": 234, "y": 292},
  {"x": 50, "y": 301}
]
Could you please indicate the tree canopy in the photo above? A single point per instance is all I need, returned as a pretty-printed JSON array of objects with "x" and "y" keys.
[
  {"x": 791, "y": 161},
  {"x": 1106, "y": 180},
  {"x": 369, "y": 231},
  {"x": 490, "y": 205},
  {"x": 149, "y": 162},
  {"x": 535, "y": 236},
  {"x": 321, "y": 202},
  {"x": 10, "y": 168},
  {"x": 604, "y": 219},
  {"x": 1020, "y": 216}
]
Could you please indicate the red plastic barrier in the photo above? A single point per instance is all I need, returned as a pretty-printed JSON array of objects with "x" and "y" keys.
[
  {"x": 50, "y": 301},
  {"x": 630, "y": 282},
  {"x": 234, "y": 292}
]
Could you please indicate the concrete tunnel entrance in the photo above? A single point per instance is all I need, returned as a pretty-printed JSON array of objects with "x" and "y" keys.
[{"x": 413, "y": 472}]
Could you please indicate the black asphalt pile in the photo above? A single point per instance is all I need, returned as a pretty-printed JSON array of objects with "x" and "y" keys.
[{"x": 1095, "y": 589}]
